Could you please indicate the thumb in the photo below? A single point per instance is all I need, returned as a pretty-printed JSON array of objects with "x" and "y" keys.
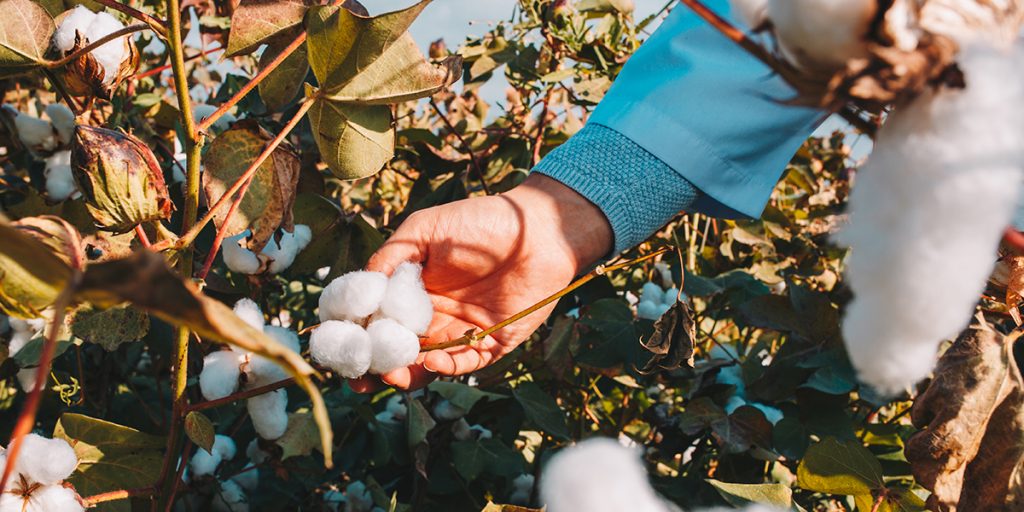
[{"x": 409, "y": 243}]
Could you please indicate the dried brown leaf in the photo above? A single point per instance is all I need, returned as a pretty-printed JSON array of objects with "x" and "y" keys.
[{"x": 672, "y": 343}]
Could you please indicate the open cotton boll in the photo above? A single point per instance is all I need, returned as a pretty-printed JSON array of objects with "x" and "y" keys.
[
  {"x": 522, "y": 489},
  {"x": 269, "y": 413},
  {"x": 45, "y": 461},
  {"x": 927, "y": 213},
  {"x": 75, "y": 24},
  {"x": 652, "y": 293},
  {"x": 281, "y": 253},
  {"x": 219, "y": 377},
  {"x": 248, "y": 310},
  {"x": 821, "y": 35},
  {"x": 353, "y": 296},
  {"x": 394, "y": 346},
  {"x": 648, "y": 310},
  {"x": 406, "y": 300},
  {"x": 284, "y": 336},
  {"x": 341, "y": 346},
  {"x": 224, "y": 446},
  {"x": 36, "y": 134},
  {"x": 204, "y": 463},
  {"x": 303, "y": 235},
  {"x": 671, "y": 296},
  {"x": 230, "y": 498},
  {"x": 463, "y": 431},
  {"x": 63, "y": 120},
  {"x": 396, "y": 406},
  {"x": 598, "y": 475},
  {"x": 237, "y": 256},
  {"x": 60, "y": 181},
  {"x": 752, "y": 13},
  {"x": 51, "y": 498},
  {"x": 447, "y": 411},
  {"x": 249, "y": 478},
  {"x": 110, "y": 55},
  {"x": 255, "y": 453}
]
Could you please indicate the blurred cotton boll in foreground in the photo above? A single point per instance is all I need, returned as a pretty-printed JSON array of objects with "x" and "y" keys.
[
  {"x": 821, "y": 34},
  {"x": 598, "y": 475},
  {"x": 927, "y": 213}
]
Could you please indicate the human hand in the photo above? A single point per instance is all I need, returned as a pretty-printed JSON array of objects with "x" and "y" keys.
[{"x": 486, "y": 259}]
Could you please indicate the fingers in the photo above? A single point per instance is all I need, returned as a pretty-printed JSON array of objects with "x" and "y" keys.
[
  {"x": 365, "y": 384},
  {"x": 407, "y": 244},
  {"x": 409, "y": 378}
]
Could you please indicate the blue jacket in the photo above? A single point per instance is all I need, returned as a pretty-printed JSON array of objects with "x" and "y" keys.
[{"x": 692, "y": 123}]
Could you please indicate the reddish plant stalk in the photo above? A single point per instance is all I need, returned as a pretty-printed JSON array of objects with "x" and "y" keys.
[{"x": 158, "y": 25}]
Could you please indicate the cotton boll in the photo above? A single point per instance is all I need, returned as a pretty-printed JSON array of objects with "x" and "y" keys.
[
  {"x": 281, "y": 253},
  {"x": 447, "y": 411},
  {"x": 394, "y": 346},
  {"x": 248, "y": 310},
  {"x": 396, "y": 407},
  {"x": 927, "y": 213},
  {"x": 652, "y": 293},
  {"x": 63, "y": 120},
  {"x": 60, "y": 181},
  {"x": 303, "y": 235},
  {"x": 219, "y": 377},
  {"x": 406, "y": 300},
  {"x": 353, "y": 296},
  {"x": 249, "y": 478},
  {"x": 27, "y": 379},
  {"x": 238, "y": 257},
  {"x": 284, "y": 336},
  {"x": 342, "y": 346},
  {"x": 110, "y": 55},
  {"x": 821, "y": 35},
  {"x": 255, "y": 453},
  {"x": 648, "y": 310},
  {"x": 204, "y": 463},
  {"x": 463, "y": 431},
  {"x": 36, "y": 134},
  {"x": 358, "y": 497},
  {"x": 752, "y": 13},
  {"x": 522, "y": 489},
  {"x": 224, "y": 446},
  {"x": 269, "y": 413},
  {"x": 45, "y": 461},
  {"x": 74, "y": 24},
  {"x": 53, "y": 498},
  {"x": 598, "y": 475},
  {"x": 230, "y": 498},
  {"x": 671, "y": 296}
]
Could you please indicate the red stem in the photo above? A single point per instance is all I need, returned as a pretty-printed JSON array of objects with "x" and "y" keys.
[
  {"x": 134, "y": 13},
  {"x": 185, "y": 456},
  {"x": 160, "y": 69},
  {"x": 140, "y": 232},
  {"x": 241, "y": 395}
]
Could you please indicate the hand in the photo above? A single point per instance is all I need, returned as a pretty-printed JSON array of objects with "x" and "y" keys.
[{"x": 487, "y": 258}]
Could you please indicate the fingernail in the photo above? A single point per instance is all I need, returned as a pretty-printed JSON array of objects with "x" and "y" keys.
[{"x": 426, "y": 366}]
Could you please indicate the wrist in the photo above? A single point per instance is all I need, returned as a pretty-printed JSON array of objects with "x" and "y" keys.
[{"x": 566, "y": 218}]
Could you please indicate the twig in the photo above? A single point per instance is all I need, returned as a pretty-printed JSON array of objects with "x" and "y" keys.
[
  {"x": 140, "y": 232},
  {"x": 185, "y": 456},
  {"x": 123, "y": 494},
  {"x": 158, "y": 25},
  {"x": 465, "y": 146},
  {"x": 130, "y": 29},
  {"x": 472, "y": 336},
  {"x": 241, "y": 395}
]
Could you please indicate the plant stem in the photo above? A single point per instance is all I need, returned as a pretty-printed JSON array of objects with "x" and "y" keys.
[
  {"x": 158, "y": 25},
  {"x": 465, "y": 146},
  {"x": 241, "y": 395},
  {"x": 123, "y": 494},
  {"x": 140, "y": 232},
  {"x": 470, "y": 337},
  {"x": 130, "y": 29},
  {"x": 251, "y": 84},
  {"x": 161, "y": 69}
]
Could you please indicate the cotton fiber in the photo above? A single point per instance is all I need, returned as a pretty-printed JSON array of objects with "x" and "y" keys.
[{"x": 342, "y": 346}]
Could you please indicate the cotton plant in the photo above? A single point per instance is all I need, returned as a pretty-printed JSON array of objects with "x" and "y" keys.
[
  {"x": 370, "y": 323},
  {"x": 733, "y": 376},
  {"x": 22, "y": 332},
  {"x": 37, "y": 482},
  {"x": 224, "y": 372},
  {"x": 655, "y": 301},
  {"x": 102, "y": 68},
  {"x": 274, "y": 258}
]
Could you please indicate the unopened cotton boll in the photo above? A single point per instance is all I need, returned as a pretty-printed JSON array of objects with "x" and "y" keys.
[
  {"x": 752, "y": 13},
  {"x": 269, "y": 413},
  {"x": 36, "y": 134},
  {"x": 394, "y": 346},
  {"x": 406, "y": 300},
  {"x": 927, "y": 213},
  {"x": 230, "y": 498},
  {"x": 238, "y": 257},
  {"x": 447, "y": 411},
  {"x": 353, "y": 296},
  {"x": 63, "y": 120},
  {"x": 598, "y": 475},
  {"x": 343, "y": 347},
  {"x": 60, "y": 181},
  {"x": 248, "y": 310},
  {"x": 219, "y": 377},
  {"x": 45, "y": 461},
  {"x": 821, "y": 35}
]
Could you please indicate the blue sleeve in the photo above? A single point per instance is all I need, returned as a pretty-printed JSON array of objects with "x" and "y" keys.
[{"x": 698, "y": 113}]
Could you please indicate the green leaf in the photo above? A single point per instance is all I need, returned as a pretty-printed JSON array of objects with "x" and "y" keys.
[
  {"x": 838, "y": 467},
  {"x": 300, "y": 437},
  {"x": 355, "y": 141},
  {"x": 256, "y": 21},
  {"x": 28, "y": 356},
  {"x": 110, "y": 457},
  {"x": 110, "y": 328},
  {"x": 25, "y": 32},
  {"x": 461, "y": 395},
  {"x": 420, "y": 423},
  {"x": 200, "y": 430},
  {"x": 542, "y": 409},
  {"x": 475, "y": 457},
  {"x": 32, "y": 274},
  {"x": 739, "y": 495},
  {"x": 281, "y": 86}
]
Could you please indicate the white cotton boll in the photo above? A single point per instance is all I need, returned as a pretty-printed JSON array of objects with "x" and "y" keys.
[
  {"x": 204, "y": 463},
  {"x": 662, "y": 309},
  {"x": 230, "y": 498},
  {"x": 648, "y": 310},
  {"x": 249, "y": 478},
  {"x": 358, "y": 497},
  {"x": 821, "y": 35},
  {"x": 671, "y": 296},
  {"x": 406, "y": 300},
  {"x": 224, "y": 446},
  {"x": 772, "y": 414},
  {"x": 248, "y": 310},
  {"x": 598, "y": 475},
  {"x": 77, "y": 21},
  {"x": 60, "y": 181},
  {"x": 27, "y": 379},
  {"x": 752, "y": 13},
  {"x": 219, "y": 377},
  {"x": 110, "y": 55},
  {"x": 36, "y": 134},
  {"x": 396, "y": 406},
  {"x": 45, "y": 461},
  {"x": 522, "y": 489},
  {"x": 53, "y": 498},
  {"x": 394, "y": 346},
  {"x": 652, "y": 293},
  {"x": 303, "y": 235},
  {"x": 447, "y": 411},
  {"x": 237, "y": 256},
  {"x": 201, "y": 111},
  {"x": 281, "y": 253},
  {"x": 341, "y": 346},
  {"x": 262, "y": 371},
  {"x": 269, "y": 413},
  {"x": 322, "y": 273},
  {"x": 284, "y": 336},
  {"x": 255, "y": 453},
  {"x": 353, "y": 296},
  {"x": 927, "y": 213},
  {"x": 63, "y": 119}
]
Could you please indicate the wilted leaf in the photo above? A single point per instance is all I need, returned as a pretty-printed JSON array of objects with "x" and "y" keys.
[
  {"x": 281, "y": 86},
  {"x": 971, "y": 416},
  {"x": 672, "y": 343},
  {"x": 32, "y": 272},
  {"x": 300, "y": 438},
  {"x": 739, "y": 495},
  {"x": 145, "y": 280},
  {"x": 25, "y": 34},
  {"x": 267, "y": 204},
  {"x": 542, "y": 409},
  {"x": 840, "y": 467},
  {"x": 200, "y": 430},
  {"x": 111, "y": 327},
  {"x": 462, "y": 395},
  {"x": 256, "y": 21},
  {"x": 110, "y": 457}
]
